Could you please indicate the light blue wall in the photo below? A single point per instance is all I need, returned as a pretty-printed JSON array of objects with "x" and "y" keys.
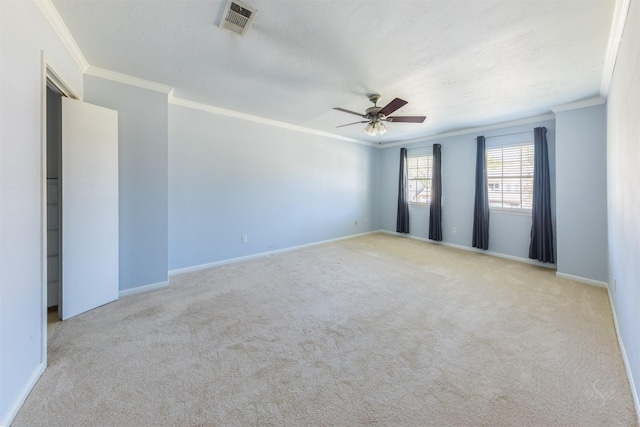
[
  {"x": 230, "y": 177},
  {"x": 143, "y": 177},
  {"x": 509, "y": 233},
  {"x": 623, "y": 177},
  {"x": 581, "y": 152},
  {"x": 24, "y": 35}
]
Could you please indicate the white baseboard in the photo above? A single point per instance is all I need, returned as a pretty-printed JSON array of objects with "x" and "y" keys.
[
  {"x": 580, "y": 279},
  {"x": 476, "y": 250},
  {"x": 142, "y": 289},
  {"x": 625, "y": 359},
  {"x": 12, "y": 411},
  {"x": 184, "y": 270},
  {"x": 585, "y": 280}
]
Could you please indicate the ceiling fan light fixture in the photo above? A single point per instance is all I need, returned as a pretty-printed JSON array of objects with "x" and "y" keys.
[
  {"x": 375, "y": 128},
  {"x": 370, "y": 129}
]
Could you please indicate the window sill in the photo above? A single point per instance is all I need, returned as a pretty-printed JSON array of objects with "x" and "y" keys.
[
  {"x": 510, "y": 211},
  {"x": 419, "y": 205}
]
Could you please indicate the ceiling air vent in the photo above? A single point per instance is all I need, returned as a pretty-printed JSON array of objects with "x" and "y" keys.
[{"x": 237, "y": 17}]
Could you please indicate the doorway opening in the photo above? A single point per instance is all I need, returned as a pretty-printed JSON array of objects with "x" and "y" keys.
[
  {"x": 53, "y": 90},
  {"x": 79, "y": 203}
]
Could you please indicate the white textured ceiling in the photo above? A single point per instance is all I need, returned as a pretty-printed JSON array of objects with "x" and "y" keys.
[{"x": 462, "y": 63}]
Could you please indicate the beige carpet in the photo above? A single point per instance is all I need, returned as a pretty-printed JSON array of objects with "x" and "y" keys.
[{"x": 374, "y": 330}]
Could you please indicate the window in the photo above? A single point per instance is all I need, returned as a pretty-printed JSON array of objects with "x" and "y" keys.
[
  {"x": 419, "y": 169},
  {"x": 510, "y": 176}
]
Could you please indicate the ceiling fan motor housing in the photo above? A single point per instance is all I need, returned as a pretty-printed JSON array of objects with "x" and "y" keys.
[{"x": 372, "y": 113}]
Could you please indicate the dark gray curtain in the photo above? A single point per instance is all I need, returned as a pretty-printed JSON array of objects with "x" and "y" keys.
[
  {"x": 541, "y": 247},
  {"x": 435, "y": 210},
  {"x": 402, "y": 224},
  {"x": 481, "y": 204}
]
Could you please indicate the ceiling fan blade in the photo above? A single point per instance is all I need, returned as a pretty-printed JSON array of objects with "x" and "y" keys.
[
  {"x": 349, "y": 111},
  {"x": 393, "y": 106},
  {"x": 407, "y": 119},
  {"x": 354, "y": 123}
]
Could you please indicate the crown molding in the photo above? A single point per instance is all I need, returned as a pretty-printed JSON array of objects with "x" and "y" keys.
[
  {"x": 620, "y": 14},
  {"x": 257, "y": 119},
  {"x": 579, "y": 104},
  {"x": 55, "y": 20},
  {"x": 519, "y": 122},
  {"x": 146, "y": 84},
  {"x": 129, "y": 80}
]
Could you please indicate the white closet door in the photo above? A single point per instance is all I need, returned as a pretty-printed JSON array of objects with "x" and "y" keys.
[{"x": 89, "y": 207}]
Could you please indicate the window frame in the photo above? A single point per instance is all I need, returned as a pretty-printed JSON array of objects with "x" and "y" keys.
[
  {"x": 428, "y": 178},
  {"x": 526, "y": 211}
]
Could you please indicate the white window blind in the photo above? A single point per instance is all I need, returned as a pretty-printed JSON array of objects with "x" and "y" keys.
[
  {"x": 510, "y": 176},
  {"x": 419, "y": 169}
]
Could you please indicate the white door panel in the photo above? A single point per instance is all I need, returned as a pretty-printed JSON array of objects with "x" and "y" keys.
[{"x": 89, "y": 207}]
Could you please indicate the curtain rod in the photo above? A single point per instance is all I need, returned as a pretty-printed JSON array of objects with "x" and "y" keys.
[
  {"x": 412, "y": 148},
  {"x": 507, "y": 134}
]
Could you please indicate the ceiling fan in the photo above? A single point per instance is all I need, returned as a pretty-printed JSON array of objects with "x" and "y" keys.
[{"x": 376, "y": 115}]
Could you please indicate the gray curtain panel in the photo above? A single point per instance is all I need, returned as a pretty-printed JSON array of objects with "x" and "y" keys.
[
  {"x": 541, "y": 247},
  {"x": 481, "y": 204},
  {"x": 402, "y": 224},
  {"x": 435, "y": 210}
]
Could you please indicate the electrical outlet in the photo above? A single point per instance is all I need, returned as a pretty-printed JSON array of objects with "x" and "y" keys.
[
  {"x": 455, "y": 230},
  {"x": 244, "y": 238}
]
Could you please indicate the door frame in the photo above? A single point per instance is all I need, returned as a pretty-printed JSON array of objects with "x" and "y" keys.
[{"x": 48, "y": 73}]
